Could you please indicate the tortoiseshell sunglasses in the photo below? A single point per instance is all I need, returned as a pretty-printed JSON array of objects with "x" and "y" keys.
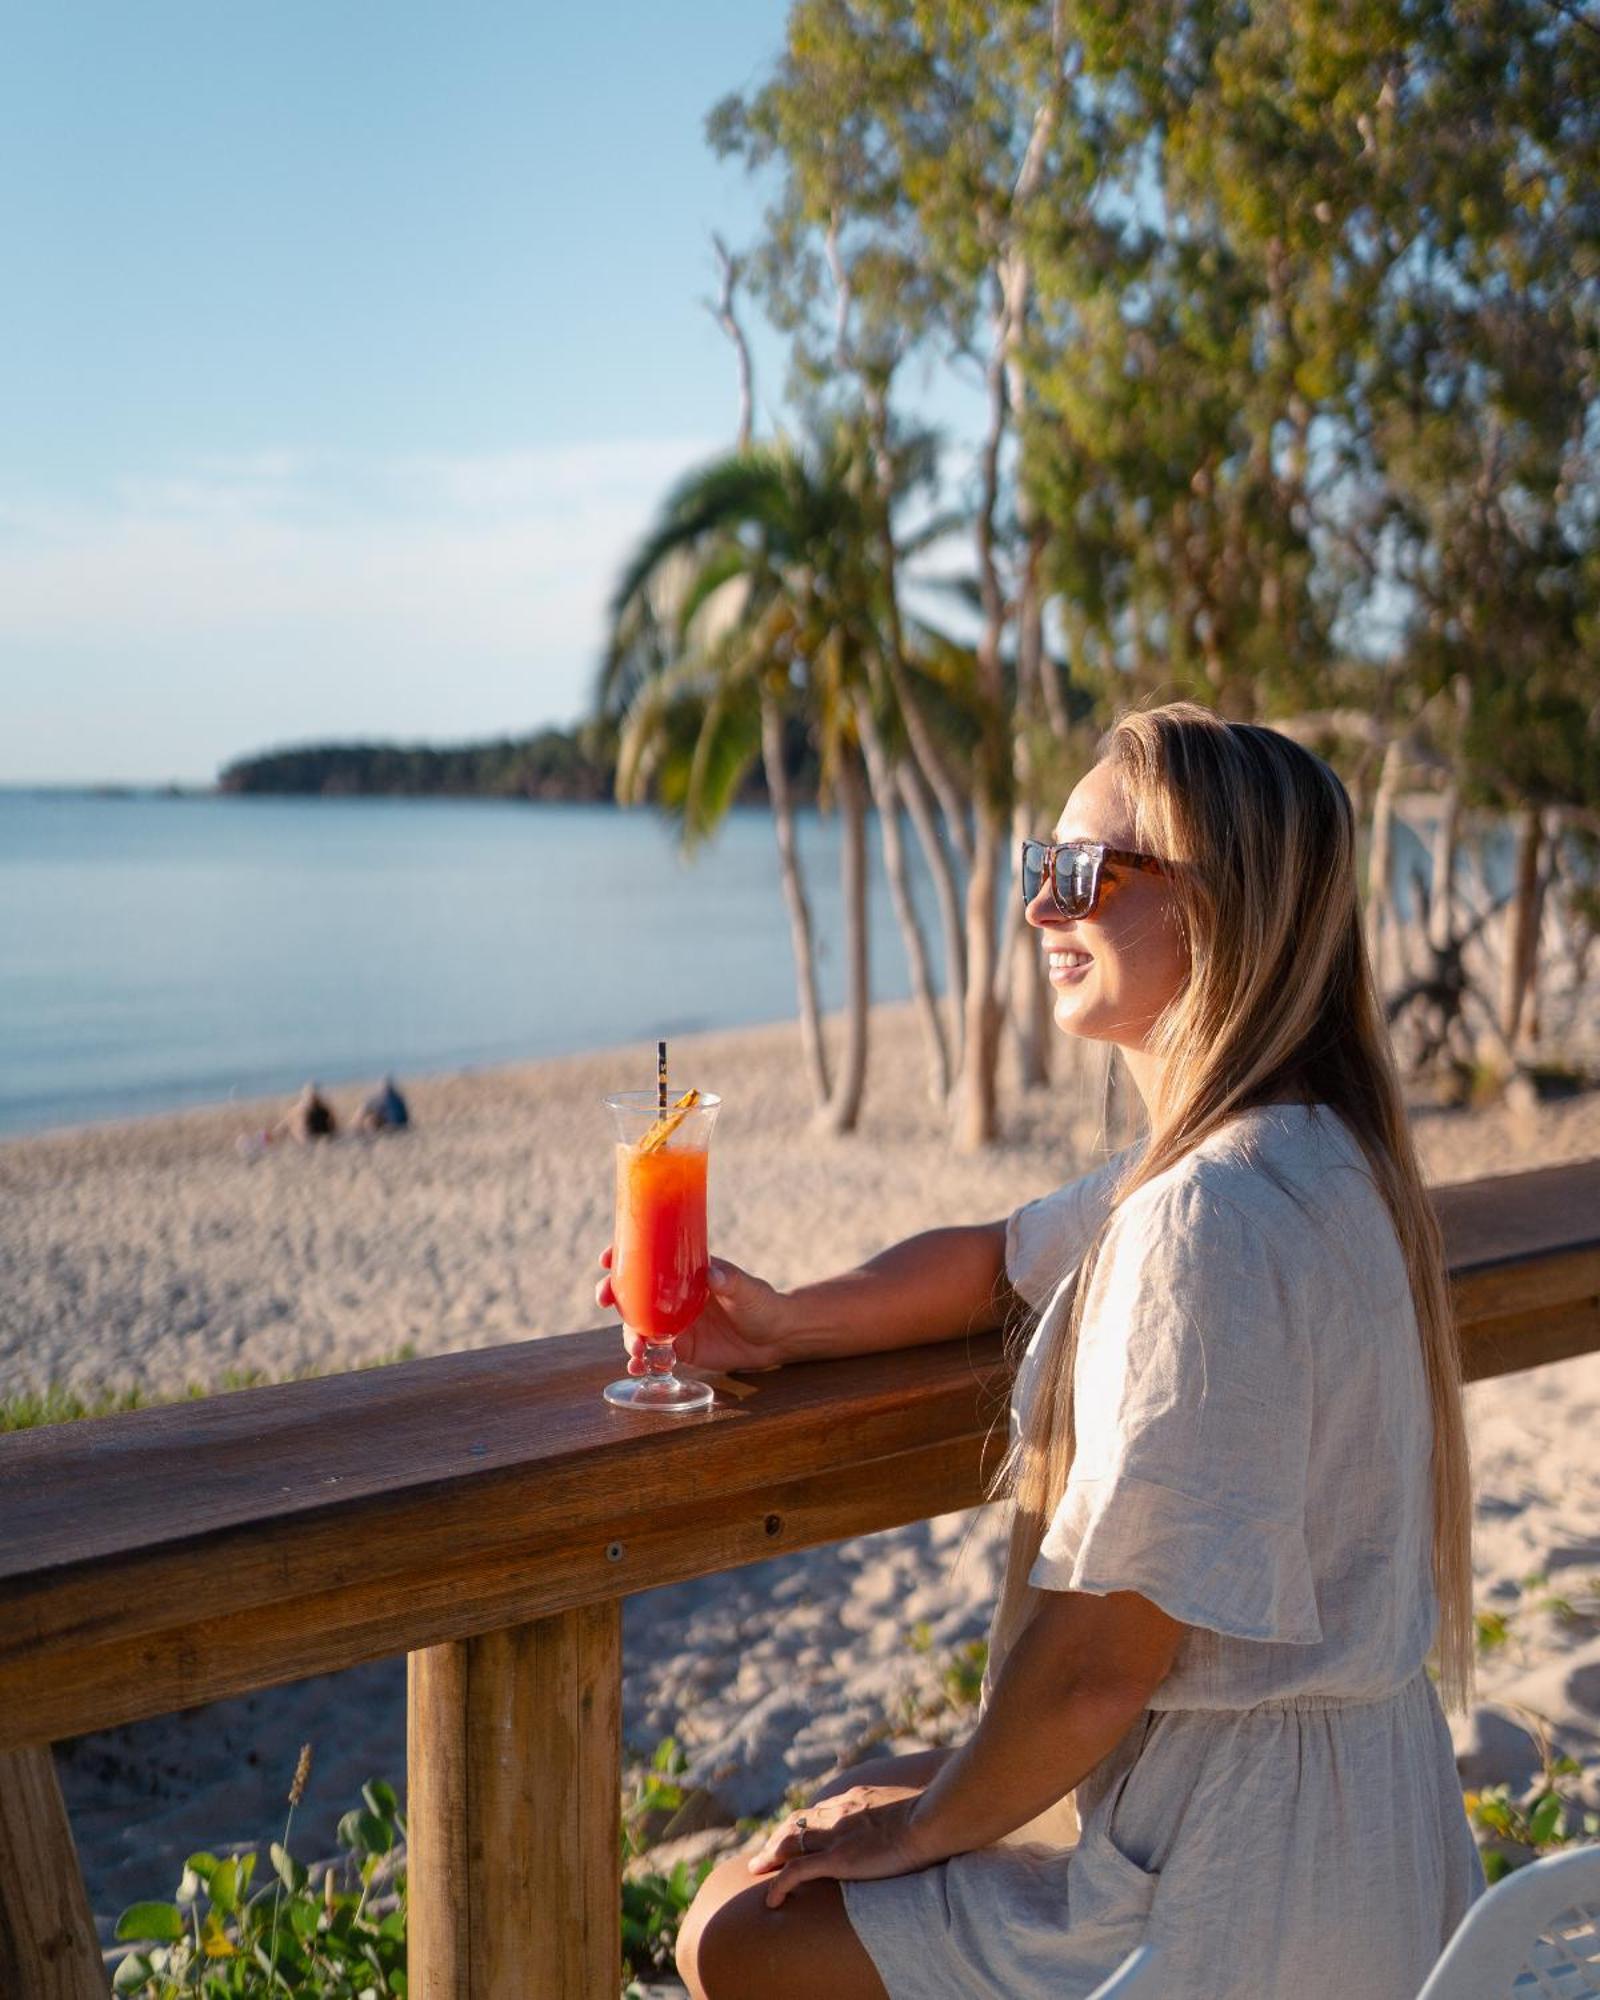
[{"x": 1076, "y": 871}]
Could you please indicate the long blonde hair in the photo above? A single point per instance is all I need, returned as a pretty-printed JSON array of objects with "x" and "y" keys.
[{"x": 1279, "y": 1004}]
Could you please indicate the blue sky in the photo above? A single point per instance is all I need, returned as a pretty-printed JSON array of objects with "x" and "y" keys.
[{"x": 344, "y": 349}]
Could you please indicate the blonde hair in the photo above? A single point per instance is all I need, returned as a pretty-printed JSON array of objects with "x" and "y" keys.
[{"x": 1279, "y": 1003}]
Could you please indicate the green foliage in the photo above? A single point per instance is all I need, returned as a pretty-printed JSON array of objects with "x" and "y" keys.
[
  {"x": 1297, "y": 312},
  {"x": 553, "y": 764},
  {"x": 1499, "y": 1629},
  {"x": 1493, "y": 1630},
  {"x": 654, "y": 1903},
  {"x": 224, "y": 1936},
  {"x": 1509, "y": 1830},
  {"x": 654, "y": 1906},
  {"x": 755, "y": 596},
  {"x": 237, "y": 1931},
  {"x": 956, "y": 1684}
]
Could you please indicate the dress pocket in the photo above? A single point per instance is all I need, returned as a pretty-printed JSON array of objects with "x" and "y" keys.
[{"x": 1109, "y": 1898}]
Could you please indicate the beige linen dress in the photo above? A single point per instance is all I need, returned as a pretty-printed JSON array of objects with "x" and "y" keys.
[{"x": 1284, "y": 1822}]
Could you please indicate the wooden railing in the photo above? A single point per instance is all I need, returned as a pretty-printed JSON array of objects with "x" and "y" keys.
[{"x": 486, "y": 1513}]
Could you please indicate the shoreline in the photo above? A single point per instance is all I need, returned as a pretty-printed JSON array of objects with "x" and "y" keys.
[{"x": 267, "y": 1105}]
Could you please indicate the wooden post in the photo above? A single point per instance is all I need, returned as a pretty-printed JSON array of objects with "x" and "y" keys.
[
  {"x": 514, "y": 1754},
  {"x": 48, "y": 1947}
]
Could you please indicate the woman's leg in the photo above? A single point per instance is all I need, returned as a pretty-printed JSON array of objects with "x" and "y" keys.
[{"x": 732, "y": 1946}]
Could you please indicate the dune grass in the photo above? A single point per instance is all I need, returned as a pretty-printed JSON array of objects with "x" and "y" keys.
[{"x": 27, "y": 1409}]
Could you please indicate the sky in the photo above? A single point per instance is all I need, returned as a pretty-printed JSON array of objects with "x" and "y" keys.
[{"x": 345, "y": 348}]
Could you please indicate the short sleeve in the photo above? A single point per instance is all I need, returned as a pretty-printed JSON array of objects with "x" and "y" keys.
[
  {"x": 1192, "y": 1402},
  {"x": 1046, "y": 1238}
]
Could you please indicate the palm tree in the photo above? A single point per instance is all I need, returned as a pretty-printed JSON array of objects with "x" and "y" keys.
[{"x": 750, "y": 605}]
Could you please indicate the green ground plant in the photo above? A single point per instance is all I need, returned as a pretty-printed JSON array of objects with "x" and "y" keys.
[
  {"x": 1499, "y": 1629},
  {"x": 238, "y": 1930},
  {"x": 943, "y": 1693},
  {"x": 1511, "y": 1832},
  {"x": 654, "y": 1902},
  {"x": 57, "y": 1404},
  {"x": 339, "y": 1935}
]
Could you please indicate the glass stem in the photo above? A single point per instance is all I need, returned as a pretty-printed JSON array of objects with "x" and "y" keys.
[{"x": 658, "y": 1357}]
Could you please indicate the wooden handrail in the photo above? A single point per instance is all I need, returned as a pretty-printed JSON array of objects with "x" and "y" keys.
[{"x": 172, "y": 1556}]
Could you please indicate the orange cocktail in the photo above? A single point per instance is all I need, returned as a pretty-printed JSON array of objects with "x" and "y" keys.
[
  {"x": 658, "y": 1261},
  {"x": 658, "y": 1248}
]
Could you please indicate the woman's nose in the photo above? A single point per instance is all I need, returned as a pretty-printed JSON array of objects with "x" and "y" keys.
[{"x": 1042, "y": 912}]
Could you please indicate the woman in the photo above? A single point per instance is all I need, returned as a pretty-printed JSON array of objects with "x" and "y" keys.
[{"x": 1241, "y": 1500}]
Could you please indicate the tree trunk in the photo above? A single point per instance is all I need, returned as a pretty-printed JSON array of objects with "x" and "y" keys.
[
  {"x": 927, "y": 776},
  {"x": 1522, "y": 938},
  {"x": 722, "y": 311},
  {"x": 844, "y": 1106},
  {"x": 1046, "y": 670},
  {"x": 930, "y": 760},
  {"x": 794, "y": 895},
  {"x": 1024, "y": 990},
  {"x": 886, "y": 798},
  {"x": 919, "y": 809},
  {"x": 1549, "y": 870},
  {"x": 1442, "y": 892},
  {"x": 1029, "y": 995},
  {"x": 1031, "y": 1013},
  {"x": 1380, "y": 866},
  {"x": 975, "y": 1123},
  {"x": 996, "y": 772}
]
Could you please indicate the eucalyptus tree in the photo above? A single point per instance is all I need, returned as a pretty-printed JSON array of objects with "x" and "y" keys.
[
  {"x": 1285, "y": 323},
  {"x": 923, "y": 153},
  {"x": 1319, "y": 395},
  {"x": 1486, "y": 420}
]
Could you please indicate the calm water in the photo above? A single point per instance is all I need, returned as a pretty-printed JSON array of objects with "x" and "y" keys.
[{"x": 160, "y": 952}]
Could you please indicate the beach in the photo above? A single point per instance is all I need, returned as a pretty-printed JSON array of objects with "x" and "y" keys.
[{"x": 163, "y": 1253}]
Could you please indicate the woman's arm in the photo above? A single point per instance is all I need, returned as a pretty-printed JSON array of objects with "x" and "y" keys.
[
  {"x": 930, "y": 1287},
  {"x": 1079, "y": 1676},
  {"x": 935, "y": 1286}
]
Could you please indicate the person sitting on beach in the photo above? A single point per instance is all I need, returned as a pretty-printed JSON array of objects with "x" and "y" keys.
[
  {"x": 309, "y": 1117},
  {"x": 1241, "y": 1506},
  {"x": 385, "y": 1111}
]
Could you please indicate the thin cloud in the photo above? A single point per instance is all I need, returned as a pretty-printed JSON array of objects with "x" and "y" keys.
[{"x": 456, "y": 581}]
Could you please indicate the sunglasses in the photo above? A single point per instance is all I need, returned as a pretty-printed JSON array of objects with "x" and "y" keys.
[{"x": 1075, "y": 870}]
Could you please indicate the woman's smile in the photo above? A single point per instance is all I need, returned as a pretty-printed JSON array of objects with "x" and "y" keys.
[{"x": 1066, "y": 964}]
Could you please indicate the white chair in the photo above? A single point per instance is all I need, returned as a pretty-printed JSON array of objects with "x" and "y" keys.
[
  {"x": 1534, "y": 1936},
  {"x": 1134, "y": 1978}
]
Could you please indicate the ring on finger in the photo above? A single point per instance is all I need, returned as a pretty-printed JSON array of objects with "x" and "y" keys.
[{"x": 800, "y": 1830}]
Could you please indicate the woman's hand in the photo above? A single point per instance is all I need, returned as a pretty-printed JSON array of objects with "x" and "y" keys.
[
  {"x": 860, "y": 1836},
  {"x": 742, "y": 1324}
]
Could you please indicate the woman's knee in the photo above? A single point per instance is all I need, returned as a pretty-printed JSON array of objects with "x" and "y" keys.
[
  {"x": 732, "y": 1947},
  {"x": 724, "y": 1882}
]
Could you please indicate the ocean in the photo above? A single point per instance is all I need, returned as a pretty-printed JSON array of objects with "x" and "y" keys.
[{"x": 158, "y": 952}]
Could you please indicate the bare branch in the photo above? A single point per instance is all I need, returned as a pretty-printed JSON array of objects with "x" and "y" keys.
[{"x": 722, "y": 311}]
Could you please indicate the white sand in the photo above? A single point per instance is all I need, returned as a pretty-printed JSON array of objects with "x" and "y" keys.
[{"x": 156, "y": 1253}]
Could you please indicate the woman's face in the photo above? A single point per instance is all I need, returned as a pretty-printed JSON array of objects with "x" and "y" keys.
[{"x": 1112, "y": 972}]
